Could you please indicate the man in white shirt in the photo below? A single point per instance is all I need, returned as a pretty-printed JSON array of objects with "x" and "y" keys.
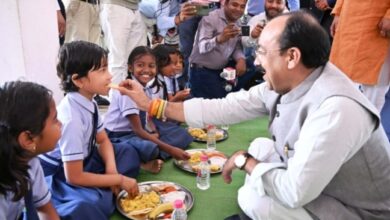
[
  {"x": 272, "y": 9},
  {"x": 328, "y": 158}
]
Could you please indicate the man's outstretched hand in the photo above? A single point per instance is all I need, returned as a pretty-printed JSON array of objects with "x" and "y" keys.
[{"x": 136, "y": 92}]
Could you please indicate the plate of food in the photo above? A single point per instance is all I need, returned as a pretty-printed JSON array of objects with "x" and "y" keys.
[
  {"x": 200, "y": 134},
  {"x": 155, "y": 200},
  {"x": 216, "y": 159}
]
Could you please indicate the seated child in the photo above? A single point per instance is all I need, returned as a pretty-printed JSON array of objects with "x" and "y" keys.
[
  {"x": 125, "y": 123},
  {"x": 81, "y": 176},
  {"x": 169, "y": 66},
  {"x": 28, "y": 127}
]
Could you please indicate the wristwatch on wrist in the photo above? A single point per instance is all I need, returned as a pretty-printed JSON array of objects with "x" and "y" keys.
[{"x": 241, "y": 160}]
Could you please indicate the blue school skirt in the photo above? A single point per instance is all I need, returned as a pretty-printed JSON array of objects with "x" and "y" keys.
[
  {"x": 173, "y": 134},
  {"x": 77, "y": 202},
  {"x": 170, "y": 133}
]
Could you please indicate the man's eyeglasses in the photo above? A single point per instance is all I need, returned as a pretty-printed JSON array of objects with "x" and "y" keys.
[{"x": 261, "y": 51}]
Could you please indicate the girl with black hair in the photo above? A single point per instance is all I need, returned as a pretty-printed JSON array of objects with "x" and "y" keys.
[
  {"x": 169, "y": 65},
  {"x": 127, "y": 124},
  {"x": 85, "y": 169},
  {"x": 28, "y": 127}
]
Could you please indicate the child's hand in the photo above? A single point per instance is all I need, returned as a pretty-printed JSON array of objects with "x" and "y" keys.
[
  {"x": 130, "y": 185},
  {"x": 183, "y": 94},
  {"x": 155, "y": 134},
  {"x": 179, "y": 154}
]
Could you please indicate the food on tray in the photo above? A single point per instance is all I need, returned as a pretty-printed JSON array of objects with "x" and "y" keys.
[
  {"x": 197, "y": 133},
  {"x": 201, "y": 134},
  {"x": 163, "y": 188},
  {"x": 216, "y": 160},
  {"x": 162, "y": 208},
  {"x": 143, "y": 203},
  {"x": 172, "y": 196},
  {"x": 195, "y": 158},
  {"x": 155, "y": 200},
  {"x": 213, "y": 168},
  {"x": 151, "y": 204}
]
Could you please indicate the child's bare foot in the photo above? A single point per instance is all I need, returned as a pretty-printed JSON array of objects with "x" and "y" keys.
[{"x": 153, "y": 166}]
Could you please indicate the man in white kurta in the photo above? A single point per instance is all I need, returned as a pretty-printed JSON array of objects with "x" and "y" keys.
[
  {"x": 30, "y": 42},
  {"x": 328, "y": 156}
]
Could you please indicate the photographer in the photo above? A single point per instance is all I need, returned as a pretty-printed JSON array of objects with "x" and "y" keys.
[
  {"x": 217, "y": 40},
  {"x": 181, "y": 14},
  {"x": 272, "y": 9}
]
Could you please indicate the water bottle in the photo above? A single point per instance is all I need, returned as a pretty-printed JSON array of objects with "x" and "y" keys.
[
  {"x": 179, "y": 212},
  {"x": 211, "y": 136},
  {"x": 203, "y": 176}
]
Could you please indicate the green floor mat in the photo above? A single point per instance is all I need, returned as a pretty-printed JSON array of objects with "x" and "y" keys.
[{"x": 220, "y": 200}]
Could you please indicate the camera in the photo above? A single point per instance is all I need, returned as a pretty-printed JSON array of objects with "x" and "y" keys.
[
  {"x": 245, "y": 30},
  {"x": 202, "y": 10}
]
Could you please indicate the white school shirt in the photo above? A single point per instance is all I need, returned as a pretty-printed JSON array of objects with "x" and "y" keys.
[
  {"x": 154, "y": 92},
  {"x": 120, "y": 107},
  {"x": 41, "y": 195},
  {"x": 75, "y": 113},
  {"x": 170, "y": 86},
  {"x": 300, "y": 183}
]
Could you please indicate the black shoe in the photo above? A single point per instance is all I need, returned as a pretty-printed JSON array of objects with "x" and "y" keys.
[
  {"x": 101, "y": 101},
  {"x": 240, "y": 216}
]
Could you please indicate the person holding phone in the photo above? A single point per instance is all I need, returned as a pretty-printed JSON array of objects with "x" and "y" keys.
[
  {"x": 256, "y": 24},
  {"x": 272, "y": 9},
  {"x": 182, "y": 15},
  {"x": 216, "y": 42}
]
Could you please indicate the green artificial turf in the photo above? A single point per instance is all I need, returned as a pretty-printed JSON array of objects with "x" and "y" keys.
[{"x": 220, "y": 200}]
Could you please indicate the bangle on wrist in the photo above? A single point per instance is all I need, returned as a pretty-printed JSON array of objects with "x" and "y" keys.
[{"x": 157, "y": 108}]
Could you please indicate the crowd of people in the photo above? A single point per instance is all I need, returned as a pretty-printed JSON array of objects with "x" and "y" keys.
[{"x": 325, "y": 75}]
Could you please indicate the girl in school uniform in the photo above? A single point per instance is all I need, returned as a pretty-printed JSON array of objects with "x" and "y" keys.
[
  {"x": 81, "y": 176},
  {"x": 125, "y": 123},
  {"x": 28, "y": 127},
  {"x": 169, "y": 66}
]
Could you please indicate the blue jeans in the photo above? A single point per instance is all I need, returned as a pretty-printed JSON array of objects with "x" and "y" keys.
[
  {"x": 207, "y": 83},
  {"x": 250, "y": 74},
  {"x": 187, "y": 31}
]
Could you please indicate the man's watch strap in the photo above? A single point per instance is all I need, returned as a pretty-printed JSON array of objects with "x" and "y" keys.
[{"x": 247, "y": 156}]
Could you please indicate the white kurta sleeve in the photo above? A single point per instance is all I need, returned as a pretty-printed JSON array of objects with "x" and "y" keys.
[
  {"x": 236, "y": 107},
  {"x": 328, "y": 138}
]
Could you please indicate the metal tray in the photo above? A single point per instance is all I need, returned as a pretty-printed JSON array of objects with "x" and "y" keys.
[
  {"x": 225, "y": 136},
  {"x": 219, "y": 159},
  {"x": 188, "y": 201}
]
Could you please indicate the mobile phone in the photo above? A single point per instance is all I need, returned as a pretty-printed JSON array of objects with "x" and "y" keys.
[
  {"x": 262, "y": 23},
  {"x": 245, "y": 30},
  {"x": 214, "y": 5},
  {"x": 202, "y": 10}
]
